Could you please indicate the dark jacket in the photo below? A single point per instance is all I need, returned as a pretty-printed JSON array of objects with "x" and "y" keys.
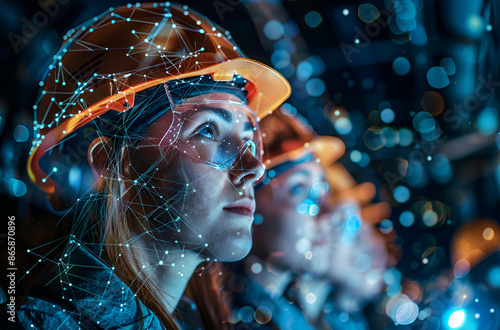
[{"x": 79, "y": 291}]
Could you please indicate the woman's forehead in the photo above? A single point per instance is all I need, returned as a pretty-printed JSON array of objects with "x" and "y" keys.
[
  {"x": 220, "y": 100},
  {"x": 309, "y": 169}
]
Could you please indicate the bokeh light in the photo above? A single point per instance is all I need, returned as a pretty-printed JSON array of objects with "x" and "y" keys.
[
  {"x": 437, "y": 77},
  {"x": 406, "y": 219},
  {"x": 273, "y": 30},
  {"x": 487, "y": 121},
  {"x": 17, "y": 188},
  {"x": 343, "y": 125},
  {"x": 374, "y": 138},
  {"x": 402, "y": 310},
  {"x": 401, "y": 194},
  {"x": 424, "y": 122},
  {"x": 315, "y": 87},
  {"x": 456, "y": 319},
  {"x": 405, "y": 137},
  {"x": 387, "y": 115},
  {"x": 368, "y": 13},
  {"x": 449, "y": 65},
  {"x": 21, "y": 133},
  {"x": 313, "y": 19},
  {"x": 401, "y": 66}
]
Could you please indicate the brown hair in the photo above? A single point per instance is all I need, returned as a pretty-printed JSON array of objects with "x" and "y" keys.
[
  {"x": 114, "y": 231},
  {"x": 206, "y": 291}
]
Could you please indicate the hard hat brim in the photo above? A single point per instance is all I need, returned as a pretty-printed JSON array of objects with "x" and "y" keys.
[{"x": 267, "y": 89}]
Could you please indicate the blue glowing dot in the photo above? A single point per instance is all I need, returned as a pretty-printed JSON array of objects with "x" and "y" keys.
[
  {"x": 405, "y": 137},
  {"x": 345, "y": 12},
  {"x": 362, "y": 263},
  {"x": 401, "y": 194},
  {"x": 367, "y": 83},
  {"x": 424, "y": 122},
  {"x": 280, "y": 59},
  {"x": 273, "y": 30},
  {"x": 21, "y": 133},
  {"x": 257, "y": 219},
  {"x": 437, "y": 77},
  {"x": 406, "y": 312},
  {"x": 365, "y": 160},
  {"x": 406, "y": 25},
  {"x": 449, "y": 66},
  {"x": 315, "y": 87},
  {"x": 355, "y": 156},
  {"x": 456, "y": 319},
  {"x": 386, "y": 226},
  {"x": 290, "y": 29},
  {"x": 246, "y": 314},
  {"x": 487, "y": 121},
  {"x": 494, "y": 277},
  {"x": 304, "y": 70},
  {"x": 313, "y": 19},
  {"x": 401, "y": 66},
  {"x": 353, "y": 224},
  {"x": 489, "y": 27},
  {"x": 17, "y": 187},
  {"x": 406, "y": 219},
  {"x": 387, "y": 116},
  {"x": 343, "y": 126}
]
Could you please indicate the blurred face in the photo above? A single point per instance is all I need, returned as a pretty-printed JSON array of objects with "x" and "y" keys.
[
  {"x": 358, "y": 255},
  {"x": 290, "y": 205},
  {"x": 193, "y": 177}
]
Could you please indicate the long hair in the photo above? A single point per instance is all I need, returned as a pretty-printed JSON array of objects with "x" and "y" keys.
[
  {"x": 205, "y": 289},
  {"x": 125, "y": 260}
]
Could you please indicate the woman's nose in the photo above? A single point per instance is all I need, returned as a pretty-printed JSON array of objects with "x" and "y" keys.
[{"x": 247, "y": 168}]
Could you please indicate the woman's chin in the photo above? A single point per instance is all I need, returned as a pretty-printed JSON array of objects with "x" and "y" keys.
[{"x": 233, "y": 248}]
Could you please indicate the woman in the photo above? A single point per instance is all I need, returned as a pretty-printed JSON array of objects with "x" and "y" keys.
[{"x": 156, "y": 108}]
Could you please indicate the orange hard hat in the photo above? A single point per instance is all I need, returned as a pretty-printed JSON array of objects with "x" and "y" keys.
[
  {"x": 287, "y": 136},
  {"x": 103, "y": 63}
]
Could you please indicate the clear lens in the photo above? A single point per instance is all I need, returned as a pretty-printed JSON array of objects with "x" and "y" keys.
[{"x": 218, "y": 133}]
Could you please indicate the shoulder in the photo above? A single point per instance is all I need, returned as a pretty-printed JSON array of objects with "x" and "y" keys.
[{"x": 41, "y": 314}]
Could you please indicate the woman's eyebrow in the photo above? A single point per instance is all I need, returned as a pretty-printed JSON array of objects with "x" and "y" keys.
[
  {"x": 304, "y": 173},
  {"x": 222, "y": 113}
]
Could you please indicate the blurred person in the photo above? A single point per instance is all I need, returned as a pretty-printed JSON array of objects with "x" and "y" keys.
[
  {"x": 355, "y": 276},
  {"x": 290, "y": 200},
  {"x": 299, "y": 241}
]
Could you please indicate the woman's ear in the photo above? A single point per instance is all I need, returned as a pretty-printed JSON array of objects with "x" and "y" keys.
[{"x": 99, "y": 154}]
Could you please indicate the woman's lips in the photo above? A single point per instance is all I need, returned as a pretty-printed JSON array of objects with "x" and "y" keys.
[{"x": 244, "y": 207}]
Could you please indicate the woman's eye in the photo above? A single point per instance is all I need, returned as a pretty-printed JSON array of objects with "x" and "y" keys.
[
  {"x": 297, "y": 189},
  {"x": 207, "y": 131}
]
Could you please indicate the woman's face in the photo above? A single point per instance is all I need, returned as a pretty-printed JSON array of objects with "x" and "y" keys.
[
  {"x": 357, "y": 252},
  {"x": 289, "y": 205},
  {"x": 193, "y": 177}
]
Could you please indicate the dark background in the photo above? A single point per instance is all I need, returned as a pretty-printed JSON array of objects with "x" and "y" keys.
[{"x": 455, "y": 165}]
